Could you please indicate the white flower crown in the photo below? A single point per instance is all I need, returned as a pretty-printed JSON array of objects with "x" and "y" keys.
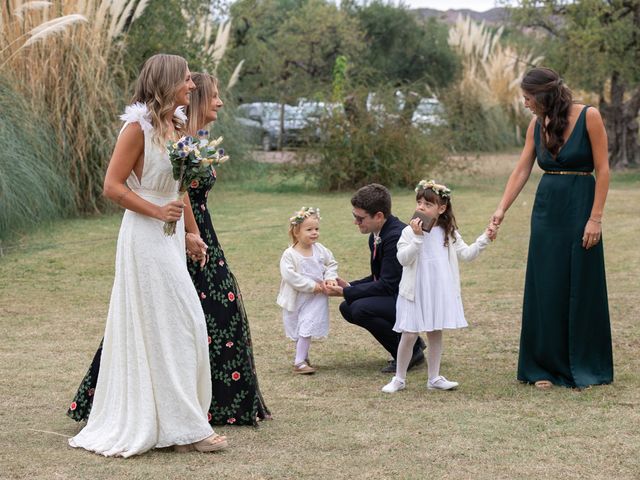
[
  {"x": 304, "y": 212},
  {"x": 440, "y": 190}
]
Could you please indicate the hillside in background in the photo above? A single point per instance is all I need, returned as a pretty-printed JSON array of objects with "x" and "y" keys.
[{"x": 493, "y": 16}]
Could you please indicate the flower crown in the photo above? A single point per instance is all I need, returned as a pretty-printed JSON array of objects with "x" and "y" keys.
[
  {"x": 440, "y": 190},
  {"x": 304, "y": 212}
]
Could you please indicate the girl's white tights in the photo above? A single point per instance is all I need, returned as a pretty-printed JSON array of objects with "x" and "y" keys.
[
  {"x": 302, "y": 349},
  {"x": 405, "y": 351}
]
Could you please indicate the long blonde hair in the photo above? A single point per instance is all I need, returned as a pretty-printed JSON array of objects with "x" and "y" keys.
[
  {"x": 157, "y": 84},
  {"x": 200, "y": 100}
]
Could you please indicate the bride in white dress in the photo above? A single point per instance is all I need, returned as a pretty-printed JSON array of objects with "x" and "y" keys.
[{"x": 154, "y": 387}]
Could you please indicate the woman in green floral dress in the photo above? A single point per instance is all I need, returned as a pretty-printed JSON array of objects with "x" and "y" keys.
[{"x": 236, "y": 399}]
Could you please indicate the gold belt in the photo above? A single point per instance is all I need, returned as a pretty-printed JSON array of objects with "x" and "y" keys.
[{"x": 552, "y": 172}]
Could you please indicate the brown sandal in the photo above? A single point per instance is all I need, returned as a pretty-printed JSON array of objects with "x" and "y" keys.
[{"x": 543, "y": 384}]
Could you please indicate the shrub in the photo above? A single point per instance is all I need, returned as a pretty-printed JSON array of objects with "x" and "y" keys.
[
  {"x": 362, "y": 147},
  {"x": 474, "y": 126}
]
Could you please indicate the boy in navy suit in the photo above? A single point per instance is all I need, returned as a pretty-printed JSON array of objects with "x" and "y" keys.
[{"x": 371, "y": 301}]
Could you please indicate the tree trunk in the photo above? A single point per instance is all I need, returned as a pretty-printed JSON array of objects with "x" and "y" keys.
[{"x": 621, "y": 121}]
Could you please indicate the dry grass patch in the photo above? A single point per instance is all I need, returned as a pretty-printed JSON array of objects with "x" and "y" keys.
[{"x": 337, "y": 423}]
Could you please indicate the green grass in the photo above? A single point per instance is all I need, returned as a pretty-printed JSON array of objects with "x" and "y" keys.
[{"x": 55, "y": 286}]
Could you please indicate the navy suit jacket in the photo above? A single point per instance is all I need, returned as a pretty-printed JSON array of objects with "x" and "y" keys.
[{"x": 386, "y": 271}]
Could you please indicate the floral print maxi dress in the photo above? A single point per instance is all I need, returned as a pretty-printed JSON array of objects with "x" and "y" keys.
[{"x": 236, "y": 396}]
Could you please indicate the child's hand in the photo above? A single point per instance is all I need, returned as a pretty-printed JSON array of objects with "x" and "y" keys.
[
  {"x": 330, "y": 283},
  {"x": 320, "y": 288},
  {"x": 492, "y": 231},
  {"x": 416, "y": 226}
]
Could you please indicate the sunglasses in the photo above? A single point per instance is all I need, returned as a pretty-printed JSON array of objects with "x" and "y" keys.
[{"x": 358, "y": 218}]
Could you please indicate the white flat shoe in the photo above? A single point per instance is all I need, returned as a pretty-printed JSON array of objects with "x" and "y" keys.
[
  {"x": 395, "y": 385},
  {"x": 441, "y": 383}
]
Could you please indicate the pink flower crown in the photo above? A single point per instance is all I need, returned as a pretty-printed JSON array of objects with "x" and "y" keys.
[{"x": 441, "y": 190}]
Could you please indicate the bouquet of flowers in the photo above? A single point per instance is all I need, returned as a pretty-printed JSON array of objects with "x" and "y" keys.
[{"x": 193, "y": 159}]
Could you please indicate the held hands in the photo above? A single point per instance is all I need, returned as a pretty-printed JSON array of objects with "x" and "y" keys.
[
  {"x": 335, "y": 287},
  {"x": 320, "y": 288},
  {"x": 171, "y": 212},
  {"x": 592, "y": 233},
  {"x": 416, "y": 226},
  {"x": 196, "y": 248},
  {"x": 492, "y": 231}
]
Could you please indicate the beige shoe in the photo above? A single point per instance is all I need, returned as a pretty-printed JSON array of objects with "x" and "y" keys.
[
  {"x": 211, "y": 444},
  {"x": 303, "y": 368}
]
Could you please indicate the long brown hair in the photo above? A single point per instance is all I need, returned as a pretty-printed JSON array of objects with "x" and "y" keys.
[
  {"x": 554, "y": 99},
  {"x": 447, "y": 219},
  {"x": 156, "y": 86},
  {"x": 200, "y": 100}
]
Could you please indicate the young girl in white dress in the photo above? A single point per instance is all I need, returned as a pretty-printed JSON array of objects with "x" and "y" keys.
[
  {"x": 429, "y": 296},
  {"x": 307, "y": 267}
]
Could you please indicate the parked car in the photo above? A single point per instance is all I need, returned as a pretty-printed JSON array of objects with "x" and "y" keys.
[
  {"x": 428, "y": 113},
  {"x": 261, "y": 121}
]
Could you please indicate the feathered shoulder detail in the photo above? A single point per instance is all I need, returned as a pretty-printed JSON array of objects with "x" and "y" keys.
[
  {"x": 180, "y": 115},
  {"x": 138, "y": 112}
]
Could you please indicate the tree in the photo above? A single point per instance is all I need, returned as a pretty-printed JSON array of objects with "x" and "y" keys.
[
  {"x": 402, "y": 51},
  {"x": 290, "y": 47},
  {"x": 595, "y": 44}
]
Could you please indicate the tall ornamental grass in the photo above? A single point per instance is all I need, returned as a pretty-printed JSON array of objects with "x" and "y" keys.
[
  {"x": 64, "y": 57},
  {"x": 32, "y": 188},
  {"x": 488, "y": 89}
]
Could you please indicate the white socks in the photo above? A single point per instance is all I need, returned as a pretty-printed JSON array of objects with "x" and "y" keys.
[
  {"x": 302, "y": 349},
  {"x": 405, "y": 352},
  {"x": 434, "y": 353}
]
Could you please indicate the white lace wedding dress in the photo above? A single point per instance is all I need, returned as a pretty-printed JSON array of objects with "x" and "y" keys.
[{"x": 154, "y": 386}]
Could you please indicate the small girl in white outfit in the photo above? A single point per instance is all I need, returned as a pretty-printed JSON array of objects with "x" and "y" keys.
[
  {"x": 429, "y": 295},
  {"x": 307, "y": 267}
]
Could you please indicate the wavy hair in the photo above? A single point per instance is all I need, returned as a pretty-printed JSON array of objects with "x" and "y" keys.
[
  {"x": 200, "y": 99},
  {"x": 553, "y": 99},
  {"x": 156, "y": 87},
  {"x": 446, "y": 220}
]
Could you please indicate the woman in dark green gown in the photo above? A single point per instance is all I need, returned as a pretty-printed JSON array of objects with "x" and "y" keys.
[{"x": 566, "y": 334}]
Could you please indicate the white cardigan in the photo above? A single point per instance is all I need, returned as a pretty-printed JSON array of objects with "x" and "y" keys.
[
  {"x": 409, "y": 248},
  {"x": 293, "y": 281}
]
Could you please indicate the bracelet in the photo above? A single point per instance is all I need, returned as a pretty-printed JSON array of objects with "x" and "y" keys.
[{"x": 594, "y": 220}]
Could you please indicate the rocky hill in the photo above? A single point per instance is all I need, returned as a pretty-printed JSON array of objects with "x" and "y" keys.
[{"x": 490, "y": 17}]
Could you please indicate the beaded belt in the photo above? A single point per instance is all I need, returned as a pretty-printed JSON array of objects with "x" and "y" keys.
[{"x": 551, "y": 172}]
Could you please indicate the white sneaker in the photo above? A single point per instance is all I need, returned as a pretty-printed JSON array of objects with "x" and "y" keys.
[
  {"x": 394, "y": 386},
  {"x": 441, "y": 383}
]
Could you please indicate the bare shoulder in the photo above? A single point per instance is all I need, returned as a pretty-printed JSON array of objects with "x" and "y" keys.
[{"x": 132, "y": 131}]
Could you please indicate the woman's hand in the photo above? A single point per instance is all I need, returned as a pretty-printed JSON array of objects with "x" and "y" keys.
[
  {"x": 171, "y": 212},
  {"x": 330, "y": 283},
  {"x": 592, "y": 234},
  {"x": 416, "y": 226},
  {"x": 196, "y": 248},
  {"x": 497, "y": 217}
]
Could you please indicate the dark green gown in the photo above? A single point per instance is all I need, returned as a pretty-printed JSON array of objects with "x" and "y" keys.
[{"x": 566, "y": 335}]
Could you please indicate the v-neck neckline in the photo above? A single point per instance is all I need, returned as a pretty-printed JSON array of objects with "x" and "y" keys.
[{"x": 566, "y": 142}]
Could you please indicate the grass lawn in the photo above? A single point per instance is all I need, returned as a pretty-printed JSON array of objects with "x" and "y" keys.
[{"x": 55, "y": 289}]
